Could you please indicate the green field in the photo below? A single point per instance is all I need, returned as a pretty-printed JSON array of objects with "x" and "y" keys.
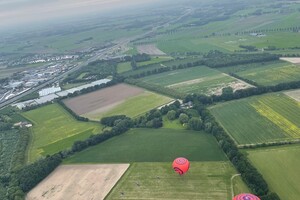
[
  {"x": 280, "y": 168},
  {"x": 192, "y": 80},
  {"x": 124, "y": 67},
  {"x": 54, "y": 129},
  {"x": 261, "y": 119},
  {"x": 270, "y": 73},
  {"x": 204, "y": 180},
  {"x": 133, "y": 106},
  {"x": 152, "y": 145},
  {"x": 154, "y": 60}
]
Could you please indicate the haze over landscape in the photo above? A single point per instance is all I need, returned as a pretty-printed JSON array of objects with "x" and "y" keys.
[{"x": 160, "y": 99}]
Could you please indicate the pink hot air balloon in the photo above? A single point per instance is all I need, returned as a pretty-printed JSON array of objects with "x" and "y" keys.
[
  {"x": 181, "y": 165},
  {"x": 246, "y": 196}
]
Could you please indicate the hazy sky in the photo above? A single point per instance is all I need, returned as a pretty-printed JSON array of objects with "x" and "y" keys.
[{"x": 15, "y": 12}]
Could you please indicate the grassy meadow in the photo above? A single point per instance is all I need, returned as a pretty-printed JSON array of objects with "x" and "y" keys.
[
  {"x": 261, "y": 119},
  {"x": 280, "y": 168},
  {"x": 54, "y": 129},
  {"x": 192, "y": 80},
  {"x": 152, "y": 145},
  {"x": 204, "y": 180},
  {"x": 133, "y": 106},
  {"x": 269, "y": 73}
]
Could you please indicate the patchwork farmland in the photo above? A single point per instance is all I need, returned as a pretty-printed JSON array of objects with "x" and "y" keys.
[
  {"x": 269, "y": 73},
  {"x": 201, "y": 80},
  {"x": 263, "y": 119},
  {"x": 54, "y": 129},
  {"x": 121, "y": 99},
  {"x": 279, "y": 166},
  {"x": 150, "y": 175},
  {"x": 204, "y": 180}
]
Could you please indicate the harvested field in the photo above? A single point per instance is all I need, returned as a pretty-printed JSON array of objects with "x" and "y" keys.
[
  {"x": 150, "y": 49},
  {"x": 295, "y": 94},
  {"x": 78, "y": 182},
  {"x": 291, "y": 60},
  {"x": 102, "y": 100}
]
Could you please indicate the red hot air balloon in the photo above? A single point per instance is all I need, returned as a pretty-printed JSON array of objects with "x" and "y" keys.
[
  {"x": 181, "y": 165},
  {"x": 246, "y": 196}
]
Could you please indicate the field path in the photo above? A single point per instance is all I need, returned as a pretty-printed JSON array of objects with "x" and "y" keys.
[{"x": 232, "y": 192}]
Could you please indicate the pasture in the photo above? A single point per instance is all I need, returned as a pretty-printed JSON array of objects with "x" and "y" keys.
[
  {"x": 116, "y": 100},
  {"x": 152, "y": 145},
  {"x": 79, "y": 182},
  {"x": 204, "y": 180},
  {"x": 54, "y": 129},
  {"x": 280, "y": 168},
  {"x": 269, "y": 73},
  {"x": 261, "y": 119},
  {"x": 196, "y": 80}
]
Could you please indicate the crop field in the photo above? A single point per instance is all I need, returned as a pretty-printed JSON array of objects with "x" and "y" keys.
[
  {"x": 204, "y": 180},
  {"x": 133, "y": 106},
  {"x": 270, "y": 73},
  {"x": 8, "y": 142},
  {"x": 54, "y": 129},
  {"x": 116, "y": 100},
  {"x": 79, "y": 182},
  {"x": 280, "y": 168},
  {"x": 196, "y": 80},
  {"x": 150, "y": 49},
  {"x": 152, "y": 145},
  {"x": 263, "y": 119}
]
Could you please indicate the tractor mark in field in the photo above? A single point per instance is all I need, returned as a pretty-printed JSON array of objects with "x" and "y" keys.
[
  {"x": 288, "y": 127},
  {"x": 190, "y": 82}
]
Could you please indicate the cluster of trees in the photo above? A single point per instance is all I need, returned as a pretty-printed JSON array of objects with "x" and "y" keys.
[
  {"x": 138, "y": 58},
  {"x": 30, "y": 175},
  {"x": 248, "y": 47},
  {"x": 216, "y": 59},
  {"x": 110, "y": 121}
]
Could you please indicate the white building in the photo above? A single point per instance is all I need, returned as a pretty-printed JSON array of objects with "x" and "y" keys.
[{"x": 47, "y": 91}]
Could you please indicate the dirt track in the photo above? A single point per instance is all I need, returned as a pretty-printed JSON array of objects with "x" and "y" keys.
[
  {"x": 292, "y": 60},
  {"x": 78, "y": 182},
  {"x": 102, "y": 100}
]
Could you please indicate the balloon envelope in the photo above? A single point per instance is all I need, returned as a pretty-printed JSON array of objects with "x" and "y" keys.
[
  {"x": 181, "y": 165},
  {"x": 246, "y": 197}
]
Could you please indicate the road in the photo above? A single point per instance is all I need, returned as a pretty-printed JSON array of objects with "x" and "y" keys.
[{"x": 102, "y": 54}]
